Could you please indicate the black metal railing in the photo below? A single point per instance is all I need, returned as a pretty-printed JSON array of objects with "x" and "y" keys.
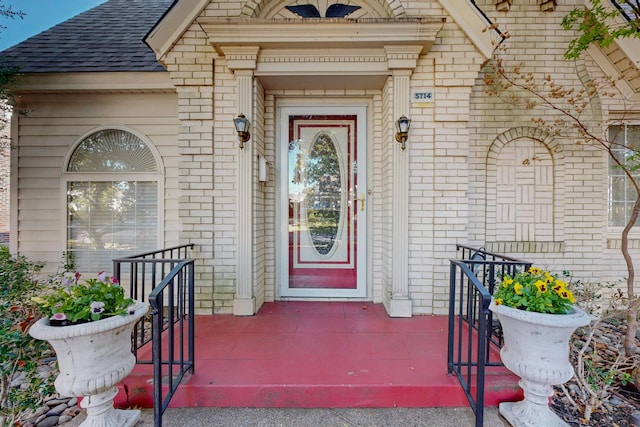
[
  {"x": 472, "y": 329},
  {"x": 166, "y": 279},
  {"x": 141, "y": 273},
  {"x": 172, "y": 303}
]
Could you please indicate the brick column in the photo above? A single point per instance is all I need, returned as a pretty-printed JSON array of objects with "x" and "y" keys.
[{"x": 193, "y": 78}]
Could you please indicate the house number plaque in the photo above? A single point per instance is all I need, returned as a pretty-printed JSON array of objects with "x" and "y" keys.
[{"x": 420, "y": 95}]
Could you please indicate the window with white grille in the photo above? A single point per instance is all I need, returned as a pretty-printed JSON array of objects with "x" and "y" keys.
[{"x": 625, "y": 141}]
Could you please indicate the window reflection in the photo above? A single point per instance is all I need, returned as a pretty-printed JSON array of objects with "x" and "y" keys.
[{"x": 315, "y": 190}]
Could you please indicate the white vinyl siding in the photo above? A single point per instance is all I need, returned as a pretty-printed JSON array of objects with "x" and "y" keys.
[{"x": 45, "y": 140}]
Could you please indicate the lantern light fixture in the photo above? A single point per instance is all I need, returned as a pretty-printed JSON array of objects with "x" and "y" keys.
[
  {"x": 402, "y": 130},
  {"x": 242, "y": 128}
]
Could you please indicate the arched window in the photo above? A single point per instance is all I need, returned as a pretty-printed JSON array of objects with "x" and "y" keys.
[{"x": 112, "y": 199}]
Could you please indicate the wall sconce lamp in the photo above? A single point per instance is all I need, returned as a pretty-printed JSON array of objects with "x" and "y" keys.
[
  {"x": 242, "y": 128},
  {"x": 402, "y": 130}
]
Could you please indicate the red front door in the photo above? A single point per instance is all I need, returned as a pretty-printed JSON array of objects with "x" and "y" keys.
[{"x": 326, "y": 202}]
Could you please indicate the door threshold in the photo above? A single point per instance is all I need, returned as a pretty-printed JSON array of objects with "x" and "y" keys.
[{"x": 325, "y": 299}]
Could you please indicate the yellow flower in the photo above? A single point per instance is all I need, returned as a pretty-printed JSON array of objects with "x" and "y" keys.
[
  {"x": 518, "y": 288},
  {"x": 566, "y": 294},
  {"x": 535, "y": 289},
  {"x": 561, "y": 283},
  {"x": 542, "y": 286}
]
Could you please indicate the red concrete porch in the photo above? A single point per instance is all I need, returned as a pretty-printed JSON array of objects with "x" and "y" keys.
[{"x": 319, "y": 354}]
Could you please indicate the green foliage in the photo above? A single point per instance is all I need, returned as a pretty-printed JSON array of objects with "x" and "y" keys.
[
  {"x": 599, "y": 376},
  {"x": 68, "y": 263},
  {"x": 19, "y": 353},
  {"x": 598, "y": 24},
  {"x": 74, "y": 302},
  {"x": 534, "y": 290}
]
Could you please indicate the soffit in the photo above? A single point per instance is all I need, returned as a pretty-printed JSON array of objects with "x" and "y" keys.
[
  {"x": 626, "y": 66},
  {"x": 116, "y": 82},
  {"x": 166, "y": 32},
  {"x": 620, "y": 60},
  {"x": 619, "y": 68}
]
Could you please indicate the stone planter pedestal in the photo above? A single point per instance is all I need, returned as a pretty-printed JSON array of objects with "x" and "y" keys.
[
  {"x": 536, "y": 348},
  {"x": 93, "y": 357}
]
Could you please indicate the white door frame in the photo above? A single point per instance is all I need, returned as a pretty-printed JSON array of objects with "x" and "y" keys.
[{"x": 282, "y": 240}]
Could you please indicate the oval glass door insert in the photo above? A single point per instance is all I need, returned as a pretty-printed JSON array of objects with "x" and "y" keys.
[{"x": 324, "y": 193}]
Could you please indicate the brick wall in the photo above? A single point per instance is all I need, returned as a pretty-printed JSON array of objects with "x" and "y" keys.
[
  {"x": 576, "y": 234},
  {"x": 467, "y": 180}
]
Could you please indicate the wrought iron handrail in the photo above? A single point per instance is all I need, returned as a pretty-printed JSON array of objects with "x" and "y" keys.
[
  {"x": 169, "y": 277},
  {"x": 172, "y": 302},
  {"x": 472, "y": 329},
  {"x": 145, "y": 271}
]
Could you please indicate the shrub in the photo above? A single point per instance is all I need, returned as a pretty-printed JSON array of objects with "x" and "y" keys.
[{"x": 20, "y": 355}]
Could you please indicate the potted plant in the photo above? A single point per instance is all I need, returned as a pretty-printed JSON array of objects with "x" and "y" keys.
[
  {"x": 89, "y": 326},
  {"x": 538, "y": 316}
]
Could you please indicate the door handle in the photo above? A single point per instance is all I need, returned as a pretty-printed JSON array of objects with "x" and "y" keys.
[{"x": 361, "y": 202}]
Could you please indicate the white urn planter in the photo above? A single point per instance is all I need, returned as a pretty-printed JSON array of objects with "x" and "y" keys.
[
  {"x": 92, "y": 358},
  {"x": 536, "y": 348}
]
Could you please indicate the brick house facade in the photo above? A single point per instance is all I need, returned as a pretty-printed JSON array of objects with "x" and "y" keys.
[{"x": 460, "y": 180}]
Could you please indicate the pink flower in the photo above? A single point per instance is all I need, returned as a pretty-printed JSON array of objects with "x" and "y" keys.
[
  {"x": 68, "y": 279},
  {"x": 58, "y": 316},
  {"x": 102, "y": 276}
]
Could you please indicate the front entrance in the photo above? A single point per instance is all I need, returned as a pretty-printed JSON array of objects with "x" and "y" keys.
[{"x": 323, "y": 202}]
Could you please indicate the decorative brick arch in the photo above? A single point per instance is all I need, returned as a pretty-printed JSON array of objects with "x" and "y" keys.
[
  {"x": 524, "y": 132},
  {"x": 524, "y": 193},
  {"x": 371, "y": 9}
]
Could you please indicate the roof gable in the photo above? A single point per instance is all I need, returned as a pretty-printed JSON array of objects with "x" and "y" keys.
[
  {"x": 109, "y": 37},
  {"x": 171, "y": 26}
]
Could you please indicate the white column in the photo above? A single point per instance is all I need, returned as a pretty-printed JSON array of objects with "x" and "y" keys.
[
  {"x": 242, "y": 61},
  {"x": 402, "y": 60}
]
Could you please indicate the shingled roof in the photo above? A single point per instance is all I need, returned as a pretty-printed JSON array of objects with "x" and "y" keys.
[{"x": 108, "y": 37}]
